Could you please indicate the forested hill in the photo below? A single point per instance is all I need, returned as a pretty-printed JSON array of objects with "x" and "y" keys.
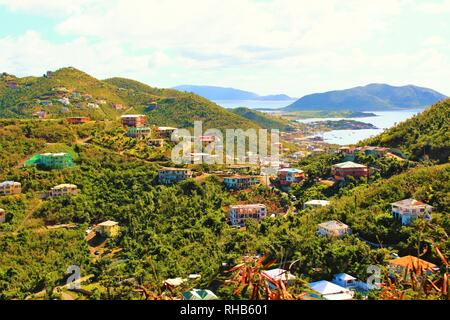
[
  {"x": 426, "y": 135},
  {"x": 371, "y": 97},
  {"x": 180, "y": 109},
  {"x": 266, "y": 120},
  {"x": 86, "y": 96}
]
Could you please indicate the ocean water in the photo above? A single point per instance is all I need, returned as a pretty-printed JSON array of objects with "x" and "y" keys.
[
  {"x": 254, "y": 104},
  {"x": 384, "y": 120}
]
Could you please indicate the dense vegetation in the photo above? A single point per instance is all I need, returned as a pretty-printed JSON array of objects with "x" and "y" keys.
[{"x": 424, "y": 136}]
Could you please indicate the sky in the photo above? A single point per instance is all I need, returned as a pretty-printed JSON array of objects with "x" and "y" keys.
[{"x": 295, "y": 47}]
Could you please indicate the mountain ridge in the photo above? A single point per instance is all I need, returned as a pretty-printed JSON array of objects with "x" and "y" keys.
[
  {"x": 228, "y": 93},
  {"x": 374, "y": 96}
]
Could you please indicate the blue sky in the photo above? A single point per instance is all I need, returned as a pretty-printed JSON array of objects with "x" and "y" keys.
[{"x": 266, "y": 46}]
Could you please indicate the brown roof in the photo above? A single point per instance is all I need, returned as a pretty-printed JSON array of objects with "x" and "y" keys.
[{"x": 411, "y": 261}]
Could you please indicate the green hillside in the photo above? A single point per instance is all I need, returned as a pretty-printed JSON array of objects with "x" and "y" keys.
[
  {"x": 266, "y": 120},
  {"x": 179, "y": 109},
  {"x": 426, "y": 135},
  {"x": 87, "y": 96}
]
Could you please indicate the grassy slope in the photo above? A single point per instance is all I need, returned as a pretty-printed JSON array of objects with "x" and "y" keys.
[{"x": 427, "y": 133}]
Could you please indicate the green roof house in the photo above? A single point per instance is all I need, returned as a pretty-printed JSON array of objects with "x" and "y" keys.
[
  {"x": 199, "y": 294},
  {"x": 51, "y": 161}
]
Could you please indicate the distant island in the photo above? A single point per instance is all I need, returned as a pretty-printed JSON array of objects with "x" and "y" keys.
[
  {"x": 342, "y": 125},
  {"x": 370, "y": 97},
  {"x": 221, "y": 93},
  {"x": 308, "y": 114}
]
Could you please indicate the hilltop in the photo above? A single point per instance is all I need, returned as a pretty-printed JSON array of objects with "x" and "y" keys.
[
  {"x": 426, "y": 135},
  {"x": 71, "y": 92},
  {"x": 266, "y": 120},
  {"x": 221, "y": 93},
  {"x": 368, "y": 98}
]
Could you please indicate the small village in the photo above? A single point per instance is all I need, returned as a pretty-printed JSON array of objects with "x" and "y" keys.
[{"x": 280, "y": 174}]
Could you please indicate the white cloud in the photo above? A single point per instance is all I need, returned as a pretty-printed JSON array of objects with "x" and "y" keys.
[{"x": 293, "y": 46}]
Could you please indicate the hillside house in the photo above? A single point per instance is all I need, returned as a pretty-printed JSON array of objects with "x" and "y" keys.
[
  {"x": 173, "y": 175},
  {"x": 156, "y": 142},
  {"x": 118, "y": 106},
  {"x": 348, "y": 153},
  {"x": 77, "y": 120},
  {"x": 199, "y": 294},
  {"x": 240, "y": 182},
  {"x": 93, "y": 105},
  {"x": 405, "y": 211},
  {"x": 377, "y": 152},
  {"x": 40, "y": 114},
  {"x": 52, "y": 161},
  {"x": 316, "y": 204},
  {"x": 64, "y": 101},
  {"x": 342, "y": 170},
  {"x": 46, "y": 103},
  {"x": 2, "y": 215},
  {"x": 165, "y": 132},
  {"x": 10, "y": 187},
  {"x": 109, "y": 229},
  {"x": 331, "y": 291},
  {"x": 403, "y": 265},
  {"x": 240, "y": 213},
  {"x": 63, "y": 190},
  {"x": 139, "y": 132},
  {"x": 289, "y": 176},
  {"x": 275, "y": 276},
  {"x": 333, "y": 229},
  {"x": 134, "y": 120}
]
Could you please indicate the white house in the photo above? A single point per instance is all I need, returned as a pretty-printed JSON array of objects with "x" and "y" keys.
[
  {"x": 316, "y": 204},
  {"x": 405, "y": 211},
  {"x": 333, "y": 229},
  {"x": 331, "y": 291}
]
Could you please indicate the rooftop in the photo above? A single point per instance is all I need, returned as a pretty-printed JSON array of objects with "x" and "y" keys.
[
  {"x": 349, "y": 164},
  {"x": 248, "y": 206},
  {"x": 132, "y": 116},
  {"x": 61, "y": 154},
  {"x": 328, "y": 288},
  {"x": 344, "y": 277},
  {"x": 8, "y": 183},
  {"x": 290, "y": 170},
  {"x": 166, "y": 128},
  {"x": 65, "y": 185},
  {"x": 333, "y": 225},
  {"x": 108, "y": 223},
  {"x": 174, "y": 169},
  {"x": 411, "y": 261},
  {"x": 409, "y": 203},
  {"x": 318, "y": 202},
  {"x": 279, "y": 274}
]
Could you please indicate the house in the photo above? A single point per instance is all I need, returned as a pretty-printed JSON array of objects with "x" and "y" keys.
[
  {"x": 52, "y": 161},
  {"x": 199, "y": 294},
  {"x": 165, "y": 132},
  {"x": 349, "y": 282},
  {"x": 118, "y": 106},
  {"x": 2, "y": 215},
  {"x": 139, "y": 132},
  {"x": 341, "y": 170},
  {"x": 316, "y": 204},
  {"x": 62, "y": 190},
  {"x": 377, "y": 152},
  {"x": 240, "y": 213},
  {"x": 64, "y": 101},
  {"x": 155, "y": 142},
  {"x": 173, "y": 175},
  {"x": 240, "y": 182},
  {"x": 77, "y": 120},
  {"x": 333, "y": 229},
  {"x": 101, "y": 101},
  {"x": 134, "y": 120},
  {"x": 348, "y": 153},
  {"x": 274, "y": 276},
  {"x": 76, "y": 95},
  {"x": 403, "y": 265},
  {"x": 331, "y": 291},
  {"x": 174, "y": 283},
  {"x": 345, "y": 280},
  {"x": 109, "y": 229},
  {"x": 48, "y": 74},
  {"x": 290, "y": 175},
  {"x": 46, "y": 103},
  {"x": 405, "y": 211},
  {"x": 93, "y": 105},
  {"x": 10, "y": 187},
  {"x": 40, "y": 114}
]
